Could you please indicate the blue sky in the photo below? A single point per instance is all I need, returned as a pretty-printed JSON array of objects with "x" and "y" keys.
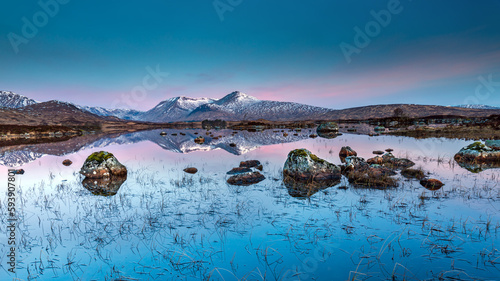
[{"x": 102, "y": 53}]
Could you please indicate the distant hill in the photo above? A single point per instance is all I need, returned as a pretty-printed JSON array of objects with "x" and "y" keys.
[{"x": 49, "y": 113}]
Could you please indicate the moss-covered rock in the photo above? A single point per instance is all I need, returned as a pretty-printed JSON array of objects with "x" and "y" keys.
[
  {"x": 102, "y": 164},
  {"x": 477, "y": 157},
  {"x": 328, "y": 127},
  {"x": 99, "y": 157},
  {"x": 301, "y": 164}
]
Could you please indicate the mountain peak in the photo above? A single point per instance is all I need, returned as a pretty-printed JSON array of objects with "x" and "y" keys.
[
  {"x": 13, "y": 100},
  {"x": 237, "y": 98}
]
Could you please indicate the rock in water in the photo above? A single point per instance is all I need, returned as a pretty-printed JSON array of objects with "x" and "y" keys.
[
  {"x": 67, "y": 162},
  {"x": 328, "y": 127},
  {"x": 191, "y": 170},
  {"x": 246, "y": 178},
  {"x": 240, "y": 170},
  {"x": 346, "y": 151},
  {"x": 251, "y": 164},
  {"x": 301, "y": 164},
  {"x": 431, "y": 184},
  {"x": 102, "y": 164},
  {"x": 328, "y": 130},
  {"x": 478, "y": 157}
]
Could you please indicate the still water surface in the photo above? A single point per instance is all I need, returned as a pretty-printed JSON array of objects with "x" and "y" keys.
[{"x": 164, "y": 224}]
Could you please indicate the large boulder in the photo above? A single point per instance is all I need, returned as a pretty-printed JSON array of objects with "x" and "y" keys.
[
  {"x": 478, "y": 157},
  {"x": 303, "y": 165},
  {"x": 102, "y": 164}
]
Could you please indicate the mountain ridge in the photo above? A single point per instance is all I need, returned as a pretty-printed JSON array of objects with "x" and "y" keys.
[{"x": 238, "y": 106}]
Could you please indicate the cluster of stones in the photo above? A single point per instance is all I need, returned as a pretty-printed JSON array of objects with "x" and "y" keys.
[
  {"x": 247, "y": 173},
  {"x": 305, "y": 174}
]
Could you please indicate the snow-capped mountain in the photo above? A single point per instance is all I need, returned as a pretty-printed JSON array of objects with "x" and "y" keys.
[
  {"x": 476, "y": 106},
  {"x": 239, "y": 106},
  {"x": 174, "y": 109},
  {"x": 127, "y": 114},
  {"x": 13, "y": 100}
]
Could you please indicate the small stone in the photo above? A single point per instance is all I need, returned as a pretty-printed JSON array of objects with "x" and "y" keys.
[
  {"x": 67, "y": 162},
  {"x": 191, "y": 170},
  {"x": 431, "y": 184}
]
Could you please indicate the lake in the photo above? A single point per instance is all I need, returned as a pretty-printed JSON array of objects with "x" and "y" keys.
[{"x": 165, "y": 224}]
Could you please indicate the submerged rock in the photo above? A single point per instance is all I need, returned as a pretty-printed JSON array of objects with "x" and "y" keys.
[
  {"x": 301, "y": 164},
  {"x": 191, "y": 170},
  {"x": 246, "y": 178},
  {"x": 478, "y": 157},
  {"x": 67, "y": 162},
  {"x": 102, "y": 164},
  {"x": 431, "y": 184},
  {"x": 107, "y": 186}
]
